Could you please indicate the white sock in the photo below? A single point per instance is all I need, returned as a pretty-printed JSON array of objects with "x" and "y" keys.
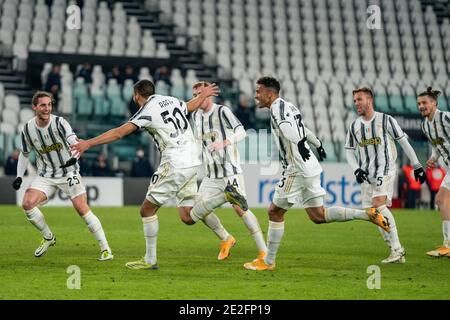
[
  {"x": 213, "y": 222},
  {"x": 274, "y": 235},
  {"x": 393, "y": 234},
  {"x": 151, "y": 227},
  {"x": 95, "y": 227},
  {"x": 340, "y": 214},
  {"x": 37, "y": 219},
  {"x": 204, "y": 206},
  {"x": 386, "y": 236},
  {"x": 253, "y": 226},
  {"x": 446, "y": 232}
]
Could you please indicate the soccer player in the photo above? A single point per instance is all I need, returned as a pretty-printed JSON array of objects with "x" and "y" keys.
[
  {"x": 219, "y": 131},
  {"x": 372, "y": 136},
  {"x": 164, "y": 118},
  {"x": 301, "y": 176},
  {"x": 436, "y": 127},
  {"x": 50, "y": 137}
]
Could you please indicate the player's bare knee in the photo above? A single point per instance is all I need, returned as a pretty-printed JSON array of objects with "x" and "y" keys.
[
  {"x": 28, "y": 204},
  {"x": 186, "y": 218},
  {"x": 276, "y": 214}
]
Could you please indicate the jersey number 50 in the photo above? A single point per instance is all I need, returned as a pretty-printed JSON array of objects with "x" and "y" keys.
[{"x": 177, "y": 122}]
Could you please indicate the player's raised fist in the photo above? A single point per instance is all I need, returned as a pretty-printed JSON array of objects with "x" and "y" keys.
[{"x": 17, "y": 183}]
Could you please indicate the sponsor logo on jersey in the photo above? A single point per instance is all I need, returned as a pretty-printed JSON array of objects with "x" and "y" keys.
[
  {"x": 437, "y": 141},
  {"x": 371, "y": 141},
  {"x": 54, "y": 147}
]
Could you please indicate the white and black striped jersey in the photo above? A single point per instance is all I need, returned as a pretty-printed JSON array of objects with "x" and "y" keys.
[
  {"x": 437, "y": 132},
  {"x": 218, "y": 124},
  {"x": 51, "y": 146},
  {"x": 374, "y": 142},
  {"x": 282, "y": 111},
  {"x": 164, "y": 118}
]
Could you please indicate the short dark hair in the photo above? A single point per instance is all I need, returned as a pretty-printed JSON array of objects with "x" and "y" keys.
[
  {"x": 144, "y": 88},
  {"x": 269, "y": 82},
  {"x": 41, "y": 94},
  {"x": 366, "y": 90},
  {"x": 433, "y": 94}
]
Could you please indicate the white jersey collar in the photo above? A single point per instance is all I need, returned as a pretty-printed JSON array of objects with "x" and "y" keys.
[{"x": 48, "y": 124}]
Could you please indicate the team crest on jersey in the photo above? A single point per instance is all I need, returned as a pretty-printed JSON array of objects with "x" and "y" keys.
[
  {"x": 212, "y": 135},
  {"x": 54, "y": 147}
]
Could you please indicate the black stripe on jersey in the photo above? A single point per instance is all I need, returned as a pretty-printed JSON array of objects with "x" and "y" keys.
[
  {"x": 366, "y": 149},
  {"x": 224, "y": 137},
  {"x": 204, "y": 144},
  {"x": 396, "y": 135},
  {"x": 443, "y": 127},
  {"x": 63, "y": 137},
  {"x": 229, "y": 125},
  {"x": 352, "y": 130},
  {"x": 282, "y": 151},
  {"x": 386, "y": 153},
  {"x": 375, "y": 148},
  {"x": 49, "y": 157},
  {"x": 446, "y": 118},
  {"x": 60, "y": 158},
  {"x": 211, "y": 128},
  {"x": 149, "y": 118},
  {"x": 282, "y": 110},
  {"x": 24, "y": 143},
  {"x": 351, "y": 144},
  {"x": 27, "y": 133},
  {"x": 444, "y": 130}
]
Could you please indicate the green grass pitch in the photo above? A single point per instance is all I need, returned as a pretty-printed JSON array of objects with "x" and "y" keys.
[{"x": 314, "y": 261}]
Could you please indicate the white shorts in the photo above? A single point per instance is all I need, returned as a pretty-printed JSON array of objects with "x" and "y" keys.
[
  {"x": 72, "y": 185},
  {"x": 294, "y": 188},
  {"x": 383, "y": 186},
  {"x": 211, "y": 187},
  {"x": 169, "y": 183},
  {"x": 446, "y": 182}
]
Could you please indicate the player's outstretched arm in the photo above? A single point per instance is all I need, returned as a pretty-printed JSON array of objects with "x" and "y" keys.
[
  {"x": 105, "y": 138},
  {"x": 209, "y": 91},
  {"x": 419, "y": 173},
  {"x": 22, "y": 164},
  {"x": 233, "y": 138}
]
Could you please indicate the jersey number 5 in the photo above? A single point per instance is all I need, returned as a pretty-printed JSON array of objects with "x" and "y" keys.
[{"x": 177, "y": 122}]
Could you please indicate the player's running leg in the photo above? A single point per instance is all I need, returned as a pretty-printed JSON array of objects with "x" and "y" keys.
[
  {"x": 94, "y": 225},
  {"x": 30, "y": 201},
  {"x": 151, "y": 228},
  {"x": 398, "y": 253},
  {"x": 252, "y": 224},
  {"x": 443, "y": 203},
  {"x": 274, "y": 236}
]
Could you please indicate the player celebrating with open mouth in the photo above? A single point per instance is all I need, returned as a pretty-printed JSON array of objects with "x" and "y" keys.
[{"x": 50, "y": 137}]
